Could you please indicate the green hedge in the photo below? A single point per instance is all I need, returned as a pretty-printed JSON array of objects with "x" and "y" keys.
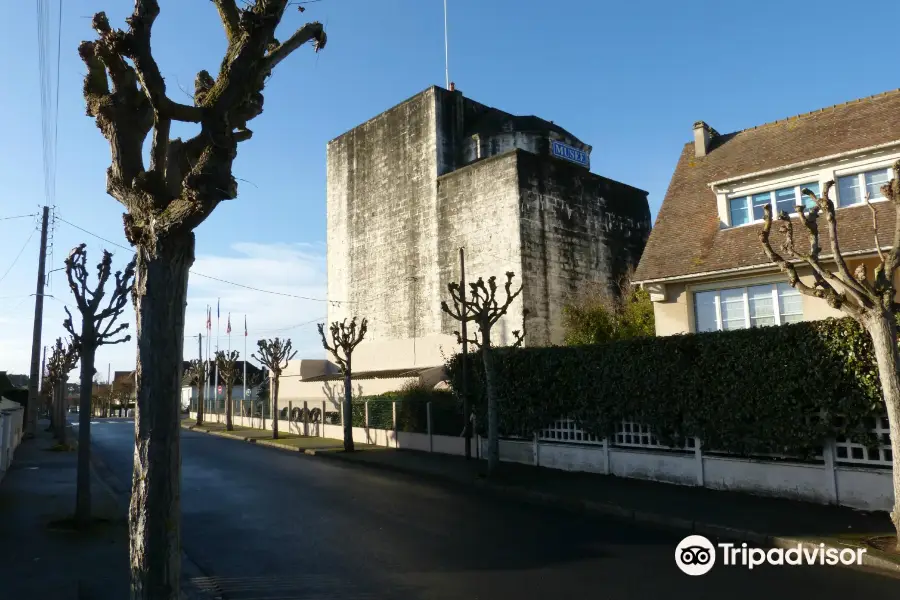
[{"x": 748, "y": 392}]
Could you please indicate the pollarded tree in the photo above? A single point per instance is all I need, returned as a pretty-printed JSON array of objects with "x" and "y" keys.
[
  {"x": 196, "y": 375},
  {"x": 227, "y": 363},
  {"x": 482, "y": 308},
  {"x": 185, "y": 181},
  {"x": 272, "y": 353},
  {"x": 868, "y": 300},
  {"x": 61, "y": 362},
  {"x": 344, "y": 339},
  {"x": 95, "y": 331}
]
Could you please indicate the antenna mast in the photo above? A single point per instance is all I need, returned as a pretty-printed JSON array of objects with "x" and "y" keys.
[{"x": 446, "y": 49}]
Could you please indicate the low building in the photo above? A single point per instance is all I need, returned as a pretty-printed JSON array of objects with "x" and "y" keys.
[{"x": 704, "y": 265}]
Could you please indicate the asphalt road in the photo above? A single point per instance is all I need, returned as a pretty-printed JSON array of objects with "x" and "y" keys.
[{"x": 266, "y": 524}]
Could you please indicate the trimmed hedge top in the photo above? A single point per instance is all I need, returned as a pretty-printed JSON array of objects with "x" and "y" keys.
[{"x": 778, "y": 390}]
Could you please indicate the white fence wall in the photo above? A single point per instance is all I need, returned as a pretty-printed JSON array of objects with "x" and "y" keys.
[
  {"x": 846, "y": 474},
  {"x": 11, "y": 424}
]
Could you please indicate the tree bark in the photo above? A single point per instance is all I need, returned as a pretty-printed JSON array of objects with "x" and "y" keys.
[
  {"x": 348, "y": 409},
  {"x": 493, "y": 416},
  {"x": 883, "y": 330},
  {"x": 200, "y": 386},
  {"x": 83, "y": 483},
  {"x": 229, "y": 408},
  {"x": 160, "y": 295},
  {"x": 61, "y": 413},
  {"x": 275, "y": 407}
]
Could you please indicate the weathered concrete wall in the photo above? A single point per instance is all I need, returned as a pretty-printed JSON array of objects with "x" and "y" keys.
[
  {"x": 401, "y": 204},
  {"x": 576, "y": 228},
  {"x": 478, "y": 210},
  {"x": 380, "y": 218}
]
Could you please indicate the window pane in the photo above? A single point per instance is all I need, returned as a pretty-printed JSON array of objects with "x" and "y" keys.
[
  {"x": 874, "y": 181},
  {"x": 762, "y": 310},
  {"x": 733, "y": 315},
  {"x": 848, "y": 190},
  {"x": 740, "y": 214},
  {"x": 759, "y": 201},
  {"x": 814, "y": 188},
  {"x": 785, "y": 201},
  {"x": 791, "y": 303},
  {"x": 705, "y": 308}
]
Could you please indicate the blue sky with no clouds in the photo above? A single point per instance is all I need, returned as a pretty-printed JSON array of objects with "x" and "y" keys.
[{"x": 629, "y": 78}]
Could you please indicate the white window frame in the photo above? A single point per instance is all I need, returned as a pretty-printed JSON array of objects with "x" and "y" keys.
[
  {"x": 776, "y": 303},
  {"x": 858, "y": 165},
  {"x": 798, "y": 198},
  {"x": 863, "y": 188}
]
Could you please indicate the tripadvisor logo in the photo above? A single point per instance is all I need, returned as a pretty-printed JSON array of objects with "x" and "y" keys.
[{"x": 696, "y": 555}]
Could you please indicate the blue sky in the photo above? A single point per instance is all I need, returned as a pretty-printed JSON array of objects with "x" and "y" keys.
[{"x": 629, "y": 78}]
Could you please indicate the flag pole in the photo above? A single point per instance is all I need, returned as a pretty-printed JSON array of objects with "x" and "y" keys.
[
  {"x": 208, "y": 399},
  {"x": 244, "y": 380},
  {"x": 218, "y": 334},
  {"x": 446, "y": 49}
]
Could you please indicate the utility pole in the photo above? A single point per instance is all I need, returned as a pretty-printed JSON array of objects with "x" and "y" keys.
[
  {"x": 465, "y": 355},
  {"x": 31, "y": 421}
]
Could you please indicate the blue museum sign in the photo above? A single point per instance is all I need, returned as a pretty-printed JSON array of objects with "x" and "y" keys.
[{"x": 569, "y": 153}]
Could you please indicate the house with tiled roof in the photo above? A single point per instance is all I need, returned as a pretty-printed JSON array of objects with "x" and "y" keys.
[{"x": 704, "y": 265}]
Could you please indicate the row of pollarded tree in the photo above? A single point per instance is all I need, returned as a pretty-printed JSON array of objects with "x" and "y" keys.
[{"x": 186, "y": 179}]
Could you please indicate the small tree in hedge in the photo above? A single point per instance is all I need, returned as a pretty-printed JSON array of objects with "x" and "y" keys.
[
  {"x": 602, "y": 315},
  {"x": 272, "y": 353},
  {"x": 227, "y": 363},
  {"x": 196, "y": 375},
  {"x": 482, "y": 308},
  {"x": 344, "y": 339},
  {"x": 867, "y": 299}
]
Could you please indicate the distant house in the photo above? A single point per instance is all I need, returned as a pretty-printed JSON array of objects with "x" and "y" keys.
[
  {"x": 704, "y": 266},
  {"x": 255, "y": 376}
]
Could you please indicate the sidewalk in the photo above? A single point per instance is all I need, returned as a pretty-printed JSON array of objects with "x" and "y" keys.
[
  {"x": 40, "y": 558},
  {"x": 728, "y": 515}
]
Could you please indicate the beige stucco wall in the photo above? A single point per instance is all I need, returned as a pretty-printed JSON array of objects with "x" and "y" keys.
[
  {"x": 292, "y": 389},
  {"x": 676, "y": 314}
]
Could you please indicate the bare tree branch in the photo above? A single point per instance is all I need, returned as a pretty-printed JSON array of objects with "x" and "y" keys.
[
  {"x": 344, "y": 338},
  {"x": 891, "y": 191},
  {"x": 822, "y": 289},
  {"x": 859, "y": 293},
  {"x": 228, "y": 12},
  {"x": 311, "y": 31}
]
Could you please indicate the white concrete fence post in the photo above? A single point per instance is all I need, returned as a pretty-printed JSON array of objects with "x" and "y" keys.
[
  {"x": 394, "y": 416},
  {"x": 606, "y": 467},
  {"x": 290, "y": 418},
  {"x": 698, "y": 456},
  {"x": 428, "y": 417},
  {"x": 322, "y": 426},
  {"x": 828, "y": 453},
  {"x": 305, "y": 419}
]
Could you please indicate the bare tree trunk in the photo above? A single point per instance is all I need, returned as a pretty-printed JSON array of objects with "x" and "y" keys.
[
  {"x": 61, "y": 414},
  {"x": 493, "y": 416},
  {"x": 348, "y": 409},
  {"x": 229, "y": 408},
  {"x": 200, "y": 386},
  {"x": 883, "y": 330},
  {"x": 160, "y": 295},
  {"x": 275, "y": 407},
  {"x": 83, "y": 486}
]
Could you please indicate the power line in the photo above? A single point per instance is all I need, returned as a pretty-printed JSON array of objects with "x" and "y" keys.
[
  {"x": 16, "y": 259},
  {"x": 18, "y": 217},
  {"x": 93, "y": 234}
]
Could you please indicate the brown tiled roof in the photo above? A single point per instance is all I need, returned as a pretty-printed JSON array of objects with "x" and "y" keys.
[{"x": 686, "y": 239}]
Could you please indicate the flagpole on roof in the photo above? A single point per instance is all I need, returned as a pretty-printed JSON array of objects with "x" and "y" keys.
[{"x": 446, "y": 49}]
